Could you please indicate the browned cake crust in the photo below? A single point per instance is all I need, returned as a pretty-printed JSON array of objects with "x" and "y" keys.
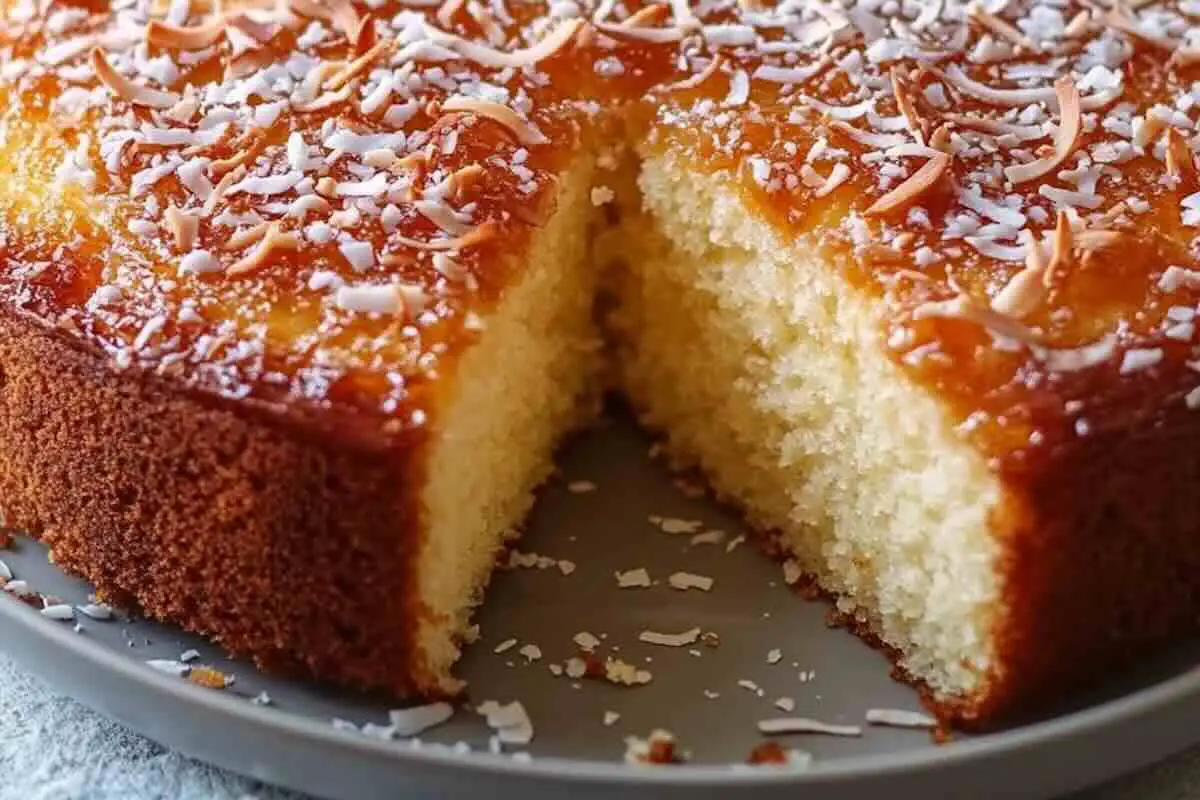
[
  {"x": 296, "y": 551},
  {"x": 1102, "y": 554}
]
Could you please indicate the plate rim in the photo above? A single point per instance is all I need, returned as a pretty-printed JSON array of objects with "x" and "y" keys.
[{"x": 1126, "y": 708}]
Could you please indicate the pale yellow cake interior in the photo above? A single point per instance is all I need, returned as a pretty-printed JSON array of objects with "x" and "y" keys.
[
  {"x": 761, "y": 366},
  {"x": 531, "y": 377}
]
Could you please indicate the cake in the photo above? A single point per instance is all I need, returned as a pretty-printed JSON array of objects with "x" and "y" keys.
[{"x": 297, "y": 299}]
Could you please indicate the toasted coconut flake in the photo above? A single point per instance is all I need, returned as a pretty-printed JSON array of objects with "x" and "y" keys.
[
  {"x": 1150, "y": 128},
  {"x": 1024, "y": 292},
  {"x": 646, "y": 17},
  {"x": 209, "y": 678},
  {"x": 418, "y": 719},
  {"x": 1062, "y": 256},
  {"x": 229, "y": 179},
  {"x": 522, "y": 129},
  {"x": 880, "y": 141},
  {"x": 1002, "y": 29},
  {"x": 328, "y": 99},
  {"x": 1074, "y": 359},
  {"x": 681, "y": 639},
  {"x": 246, "y": 237},
  {"x": 1092, "y": 240},
  {"x": 1111, "y": 216},
  {"x": 442, "y": 216},
  {"x": 344, "y": 16},
  {"x": 917, "y": 184},
  {"x": 482, "y": 233},
  {"x": 904, "y": 102},
  {"x": 837, "y": 176},
  {"x": 180, "y": 37},
  {"x": 124, "y": 88},
  {"x": 806, "y": 725},
  {"x": 247, "y": 152},
  {"x": 184, "y": 227},
  {"x": 486, "y": 56},
  {"x": 940, "y": 140},
  {"x": 994, "y": 127},
  {"x": 447, "y": 10},
  {"x": 955, "y": 76},
  {"x": 1185, "y": 57},
  {"x": 685, "y": 19},
  {"x": 274, "y": 239},
  {"x": 360, "y": 65},
  {"x": 222, "y": 140},
  {"x": 1180, "y": 163},
  {"x": 964, "y": 308},
  {"x": 1066, "y": 137},
  {"x": 310, "y": 9},
  {"x": 640, "y": 34},
  {"x": 255, "y": 26},
  {"x": 463, "y": 179},
  {"x": 1079, "y": 25},
  {"x": 714, "y": 66}
]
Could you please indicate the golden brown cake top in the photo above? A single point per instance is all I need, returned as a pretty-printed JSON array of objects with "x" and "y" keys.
[
  {"x": 311, "y": 203},
  {"x": 307, "y": 205}
]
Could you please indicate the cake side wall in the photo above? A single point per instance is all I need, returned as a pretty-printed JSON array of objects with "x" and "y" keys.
[
  {"x": 1102, "y": 555},
  {"x": 284, "y": 550},
  {"x": 508, "y": 399},
  {"x": 766, "y": 370}
]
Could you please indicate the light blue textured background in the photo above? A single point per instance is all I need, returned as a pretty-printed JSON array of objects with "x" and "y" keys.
[{"x": 52, "y": 748}]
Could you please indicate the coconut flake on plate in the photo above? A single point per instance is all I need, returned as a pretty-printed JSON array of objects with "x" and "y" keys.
[
  {"x": 169, "y": 667},
  {"x": 412, "y": 721},
  {"x": 633, "y": 579},
  {"x": 806, "y": 725},
  {"x": 899, "y": 718},
  {"x": 682, "y": 639},
  {"x": 689, "y": 580},
  {"x": 96, "y": 611},
  {"x": 510, "y": 721}
]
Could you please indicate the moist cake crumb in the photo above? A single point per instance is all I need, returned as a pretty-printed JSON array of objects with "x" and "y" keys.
[{"x": 659, "y": 748}]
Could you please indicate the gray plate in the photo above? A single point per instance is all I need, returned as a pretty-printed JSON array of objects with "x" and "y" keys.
[{"x": 1139, "y": 717}]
